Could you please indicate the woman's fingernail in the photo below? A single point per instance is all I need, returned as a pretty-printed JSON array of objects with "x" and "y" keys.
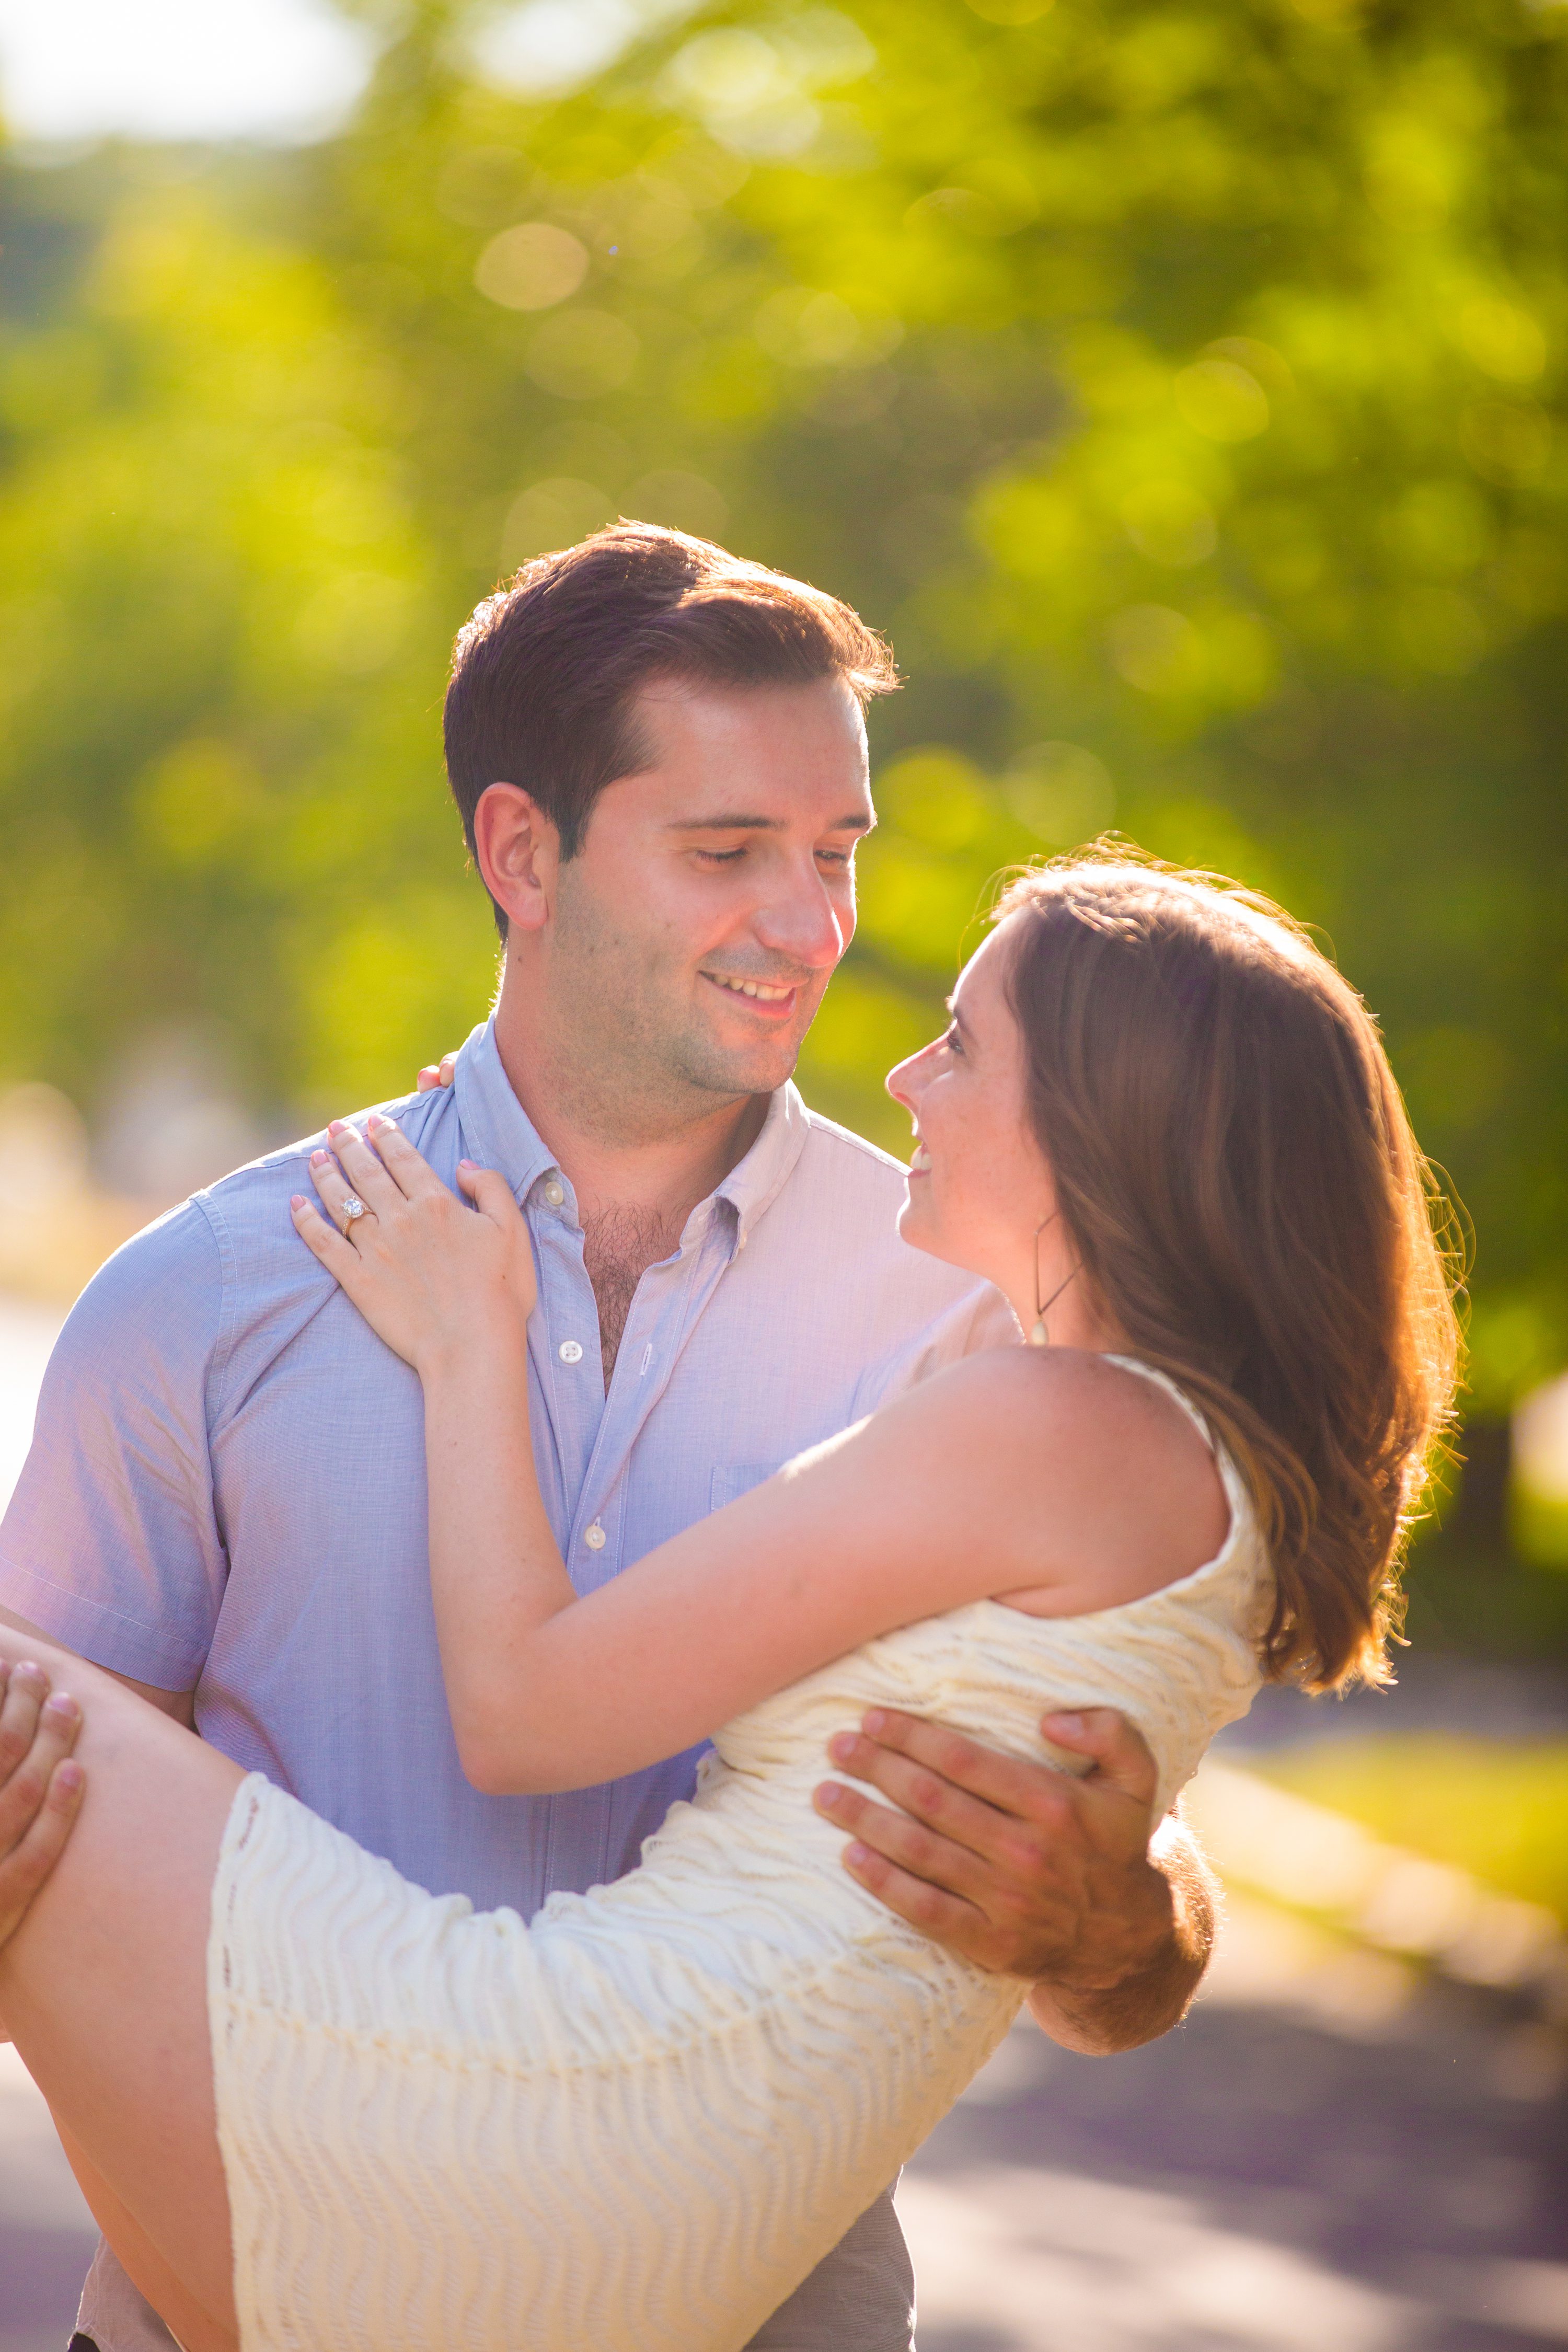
[
  {"x": 62, "y": 1707},
  {"x": 321, "y": 1159},
  {"x": 874, "y": 1720},
  {"x": 1068, "y": 1723},
  {"x": 70, "y": 1776},
  {"x": 841, "y": 1747},
  {"x": 470, "y": 1164},
  {"x": 828, "y": 1792},
  {"x": 296, "y": 1200},
  {"x": 857, "y": 1853}
]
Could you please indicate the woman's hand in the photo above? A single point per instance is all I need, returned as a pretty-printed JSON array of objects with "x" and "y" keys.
[
  {"x": 40, "y": 1785},
  {"x": 430, "y": 1276},
  {"x": 436, "y": 1073}
]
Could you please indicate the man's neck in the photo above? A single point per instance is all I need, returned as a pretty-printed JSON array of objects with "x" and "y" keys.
[
  {"x": 647, "y": 1165},
  {"x": 637, "y": 1179}
]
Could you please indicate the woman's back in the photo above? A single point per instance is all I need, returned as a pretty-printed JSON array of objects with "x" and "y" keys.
[{"x": 652, "y": 2110}]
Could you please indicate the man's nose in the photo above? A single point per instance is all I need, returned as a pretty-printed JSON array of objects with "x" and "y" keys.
[{"x": 801, "y": 922}]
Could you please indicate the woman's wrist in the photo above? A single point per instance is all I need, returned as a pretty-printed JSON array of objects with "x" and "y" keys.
[{"x": 491, "y": 1339}]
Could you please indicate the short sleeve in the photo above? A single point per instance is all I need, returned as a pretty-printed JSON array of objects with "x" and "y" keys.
[{"x": 111, "y": 1544}]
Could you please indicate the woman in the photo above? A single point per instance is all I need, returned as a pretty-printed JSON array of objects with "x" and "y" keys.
[{"x": 316, "y": 2107}]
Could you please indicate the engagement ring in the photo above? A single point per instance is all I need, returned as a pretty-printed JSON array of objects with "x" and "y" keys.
[{"x": 352, "y": 1207}]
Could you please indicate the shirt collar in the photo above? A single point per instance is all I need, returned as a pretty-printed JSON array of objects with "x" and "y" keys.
[
  {"x": 499, "y": 1134},
  {"x": 497, "y": 1129},
  {"x": 754, "y": 1184}
]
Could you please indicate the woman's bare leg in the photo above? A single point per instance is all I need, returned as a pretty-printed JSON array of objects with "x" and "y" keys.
[
  {"x": 103, "y": 1986},
  {"x": 141, "y": 2259}
]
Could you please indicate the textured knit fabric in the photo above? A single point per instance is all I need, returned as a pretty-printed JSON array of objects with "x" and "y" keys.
[{"x": 635, "y": 2125}]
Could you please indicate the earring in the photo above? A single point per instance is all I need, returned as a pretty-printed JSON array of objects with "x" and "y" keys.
[{"x": 1039, "y": 1336}]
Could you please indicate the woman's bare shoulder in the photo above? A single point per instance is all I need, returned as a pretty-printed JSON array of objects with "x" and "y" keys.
[{"x": 1094, "y": 1485}]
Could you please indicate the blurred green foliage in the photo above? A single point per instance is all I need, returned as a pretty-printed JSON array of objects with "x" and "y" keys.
[
  {"x": 1498, "y": 1810},
  {"x": 1180, "y": 383}
]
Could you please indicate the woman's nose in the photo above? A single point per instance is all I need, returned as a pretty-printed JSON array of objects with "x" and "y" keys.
[{"x": 905, "y": 1082}]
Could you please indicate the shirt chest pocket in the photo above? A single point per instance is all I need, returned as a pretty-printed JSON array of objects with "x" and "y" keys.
[{"x": 733, "y": 1479}]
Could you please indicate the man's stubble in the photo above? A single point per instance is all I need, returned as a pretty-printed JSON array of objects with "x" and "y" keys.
[{"x": 630, "y": 1059}]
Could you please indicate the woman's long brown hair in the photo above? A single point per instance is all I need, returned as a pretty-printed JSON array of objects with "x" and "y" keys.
[{"x": 1235, "y": 1166}]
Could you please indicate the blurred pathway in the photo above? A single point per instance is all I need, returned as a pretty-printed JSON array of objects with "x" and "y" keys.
[
  {"x": 46, "y": 2235},
  {"x": 1319, "y": 2161}
]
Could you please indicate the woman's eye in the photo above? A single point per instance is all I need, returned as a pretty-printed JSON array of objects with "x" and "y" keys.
[{"x": 954, "y": 1042}]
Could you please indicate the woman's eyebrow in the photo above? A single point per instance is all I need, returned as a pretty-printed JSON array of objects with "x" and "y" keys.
[{"x": 959, "y": 1023}]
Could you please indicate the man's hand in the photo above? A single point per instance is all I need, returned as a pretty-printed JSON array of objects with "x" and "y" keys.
[
  {"x": 1031, "y": 1872},
  {"x": 40, "y": 1785}
]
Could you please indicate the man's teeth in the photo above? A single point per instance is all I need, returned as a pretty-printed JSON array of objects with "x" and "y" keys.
[{"x": 752, "y": 988}]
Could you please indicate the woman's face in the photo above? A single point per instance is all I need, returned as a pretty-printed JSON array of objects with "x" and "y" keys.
[{"x": 980, "y": 1186}]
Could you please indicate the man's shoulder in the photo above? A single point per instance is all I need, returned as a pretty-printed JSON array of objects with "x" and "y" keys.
[
  {"x": 234, "y": 1200},
  {"x": 836, "y": 1155},
  {"x": 845, "y": 1193},
  {"x": 231, "y": 1235}
]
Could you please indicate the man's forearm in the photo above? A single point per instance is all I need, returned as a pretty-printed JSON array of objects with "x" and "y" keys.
[{"x": 1101, "y": 2017}]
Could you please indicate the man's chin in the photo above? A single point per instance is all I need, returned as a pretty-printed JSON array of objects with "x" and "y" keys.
[{"x": 758, "y": 1070}]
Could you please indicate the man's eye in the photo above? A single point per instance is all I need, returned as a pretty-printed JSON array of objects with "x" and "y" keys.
[
  {"x": 839, "y": 857},
  {"x": 722, "y": 856}
]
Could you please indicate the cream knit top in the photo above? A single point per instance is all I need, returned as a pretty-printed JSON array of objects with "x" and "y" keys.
[{"x": 637, "y": 2123}]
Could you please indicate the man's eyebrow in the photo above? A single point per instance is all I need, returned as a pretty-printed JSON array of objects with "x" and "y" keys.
[{"x": 737, "y": 820}]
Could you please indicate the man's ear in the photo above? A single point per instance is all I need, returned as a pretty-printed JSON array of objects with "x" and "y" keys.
[{"x": 518, "y": 851}]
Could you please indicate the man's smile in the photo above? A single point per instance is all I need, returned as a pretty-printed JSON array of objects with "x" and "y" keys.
[{"x": 764, "y": 997}]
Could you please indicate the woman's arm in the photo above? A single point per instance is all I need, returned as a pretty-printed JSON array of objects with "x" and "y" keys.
[
  {"x": 1056, "y": 1473},
  {"x": 451, "y": 1291}
]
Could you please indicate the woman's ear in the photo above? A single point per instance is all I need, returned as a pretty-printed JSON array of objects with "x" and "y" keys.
[{"x": 518, "y": 851}]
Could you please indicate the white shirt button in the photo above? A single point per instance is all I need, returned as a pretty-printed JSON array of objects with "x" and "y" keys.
[
  {"x": 570, "y": 1351},
  {"x": 595, "y": 1537},
  {"x": 555, "y": 1193}
]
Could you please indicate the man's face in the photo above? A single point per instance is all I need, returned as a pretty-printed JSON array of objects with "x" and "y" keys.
[{"x": 714, "y": 892}]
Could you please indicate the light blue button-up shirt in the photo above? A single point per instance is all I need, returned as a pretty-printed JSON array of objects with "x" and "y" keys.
[{"x": 227, "y": 1486}]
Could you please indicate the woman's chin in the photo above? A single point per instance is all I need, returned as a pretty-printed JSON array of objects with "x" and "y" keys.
[{"x": 921, "y": 1229}]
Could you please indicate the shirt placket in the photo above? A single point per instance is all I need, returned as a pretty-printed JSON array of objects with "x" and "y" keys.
[
  {"x": 563, "y": 1357},
  {"x": 665, "y": 1311}
]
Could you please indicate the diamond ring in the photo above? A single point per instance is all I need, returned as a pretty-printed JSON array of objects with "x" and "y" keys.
[{"x": 352, "y": 1207}]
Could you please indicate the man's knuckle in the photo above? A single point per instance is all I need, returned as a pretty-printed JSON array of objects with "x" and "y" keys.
[{"x": 1020, "y": 1854}]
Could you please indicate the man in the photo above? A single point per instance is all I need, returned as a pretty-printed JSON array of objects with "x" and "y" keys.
[{"x": 660, "y": 756}]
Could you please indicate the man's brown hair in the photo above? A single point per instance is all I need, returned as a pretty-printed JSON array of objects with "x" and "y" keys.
[
  {"x": 1236, "y": 1169},
  {"x": 545, "y": 674}
]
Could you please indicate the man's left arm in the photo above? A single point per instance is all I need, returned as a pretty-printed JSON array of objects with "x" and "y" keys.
[{"x": 1032, "y": 1873}]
